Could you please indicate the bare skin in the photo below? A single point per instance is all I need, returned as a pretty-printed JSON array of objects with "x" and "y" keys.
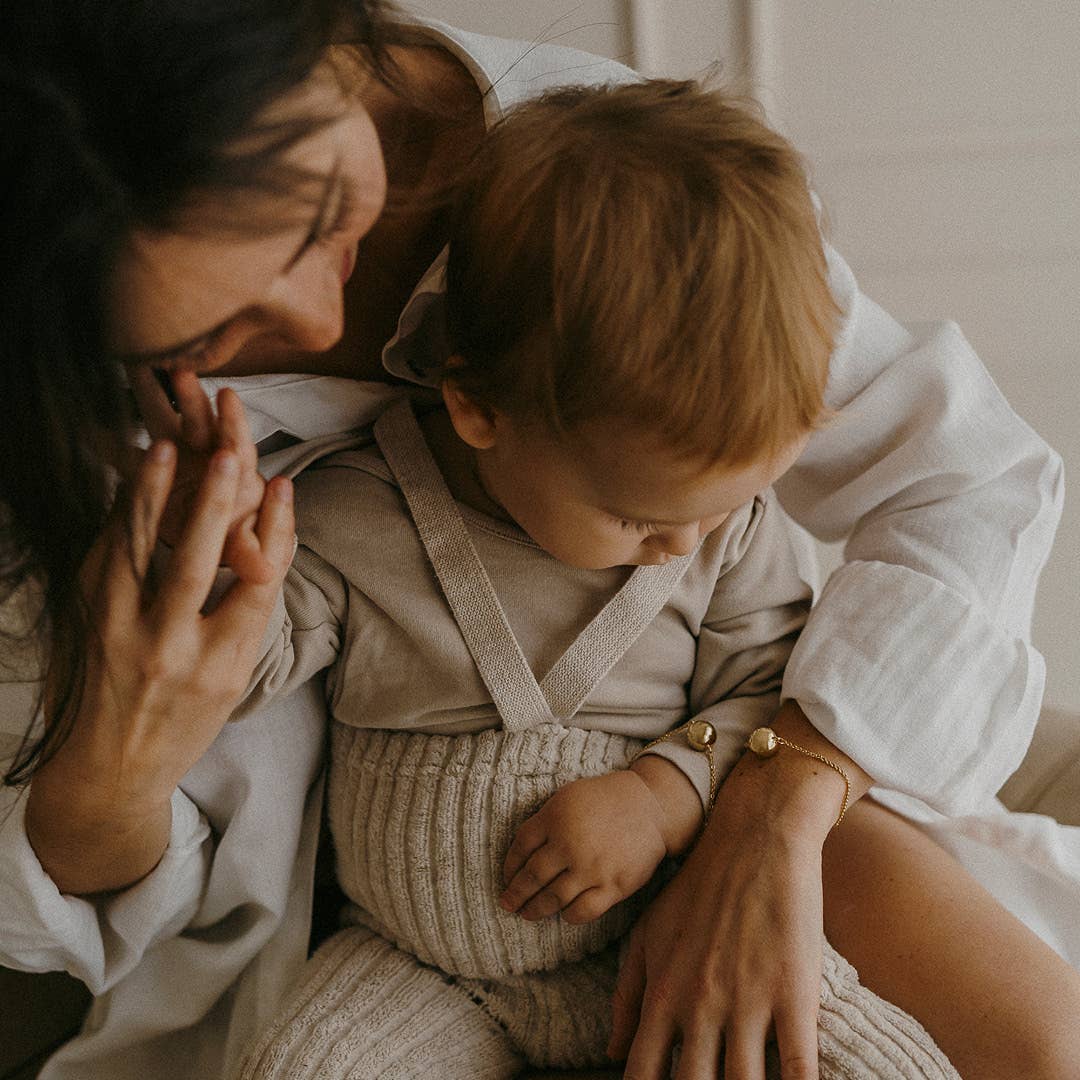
[
  {"x": 399, "y": 247},
  {"x": 111, "y": 783},
  {"x": 927, "y": 937}
]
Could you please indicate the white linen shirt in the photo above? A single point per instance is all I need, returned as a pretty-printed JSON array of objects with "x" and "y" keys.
[{"x": 916, "y": 662}]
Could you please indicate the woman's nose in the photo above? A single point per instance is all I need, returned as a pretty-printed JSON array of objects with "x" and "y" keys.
[
  {"x": 307, "y": 303},
  {"x": 677, "y": 540}
]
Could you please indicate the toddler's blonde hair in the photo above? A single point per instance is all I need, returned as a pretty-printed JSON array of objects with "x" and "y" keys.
[{"x": 649, "y": 253}]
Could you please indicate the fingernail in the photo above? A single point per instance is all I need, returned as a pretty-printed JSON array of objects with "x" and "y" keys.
[
  {"x": 226, "y": 464},
  {"x": 283, "y": 492}
]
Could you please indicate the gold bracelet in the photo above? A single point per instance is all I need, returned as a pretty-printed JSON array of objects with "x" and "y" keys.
[
  {"x": 700, "y": 736},
  {"x": 765, "y": 742}
]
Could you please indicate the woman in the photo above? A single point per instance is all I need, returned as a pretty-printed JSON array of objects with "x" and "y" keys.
[{"x": 211, "y": 176}]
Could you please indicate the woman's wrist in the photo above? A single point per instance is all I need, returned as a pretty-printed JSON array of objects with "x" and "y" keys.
[
  {"x": 89, "y": 842},
  {"x": 791, "y": 791}
]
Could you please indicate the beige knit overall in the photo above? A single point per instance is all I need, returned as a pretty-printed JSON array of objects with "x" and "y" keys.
[{"x": 433, "y": 979}]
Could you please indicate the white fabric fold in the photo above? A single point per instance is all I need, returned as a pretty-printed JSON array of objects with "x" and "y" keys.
[
  {"x": 97, "y": 940},
  {"x": 916, "y": 684}
]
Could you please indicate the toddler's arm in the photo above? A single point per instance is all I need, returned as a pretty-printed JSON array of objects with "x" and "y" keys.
[
  {"x": 760, "y": 602},
  {"x": 599, "y": 839}
]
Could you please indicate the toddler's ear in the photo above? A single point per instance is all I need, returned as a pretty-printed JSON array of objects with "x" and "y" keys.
[{"x": 473, "y": 421}]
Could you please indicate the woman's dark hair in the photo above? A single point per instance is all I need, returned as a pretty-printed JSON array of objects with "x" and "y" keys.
[{"x": 113, "y": 113}]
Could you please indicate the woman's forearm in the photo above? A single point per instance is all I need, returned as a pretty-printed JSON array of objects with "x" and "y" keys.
[{"x": 87, "y": 845}]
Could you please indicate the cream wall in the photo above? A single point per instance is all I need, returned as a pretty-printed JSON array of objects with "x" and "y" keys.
[{"x": 945, "y": 141}]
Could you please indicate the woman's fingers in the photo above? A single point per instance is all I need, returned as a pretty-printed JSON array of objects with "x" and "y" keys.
[
  {"x": 198, "y": 424},
  {"x": 234, "y": 431},
  {"x": 126, "y": 546},
  {"x": 699, "y": 1053},
  {"x": 160, "y": 418},
  {"x": 194, "y": 564},
  {"x": 796, "y": 1039},
  {"x": 626, "y": 998},
  {"x": 149, "y": 497},
  {"x": 744, "y": 1048},
  {"x": 650, "y": 1052}
]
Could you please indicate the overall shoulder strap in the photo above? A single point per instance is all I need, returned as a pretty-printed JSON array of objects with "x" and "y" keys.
[{"x": 464, "y": 581}]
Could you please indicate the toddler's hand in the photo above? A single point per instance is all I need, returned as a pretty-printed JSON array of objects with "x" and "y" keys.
[
  {"x": 592, "y": 844},
  {"x": 198, "y": 433}
]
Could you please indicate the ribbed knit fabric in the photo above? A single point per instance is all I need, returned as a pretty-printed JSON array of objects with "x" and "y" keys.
[
  {"x": 367, "y": 1011},
  {"x": 863, "y": 1037},
  {"x": 421, "y": 824},
  {"x": 436, "y": 980}
]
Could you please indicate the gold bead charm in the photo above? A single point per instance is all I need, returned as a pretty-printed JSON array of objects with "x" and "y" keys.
[
  {"x": 700, "y": 734},
  {"x": 763, "y": 742}
]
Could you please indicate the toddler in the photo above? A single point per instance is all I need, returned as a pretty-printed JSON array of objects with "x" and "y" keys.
[{"x": 556, "y": 597}]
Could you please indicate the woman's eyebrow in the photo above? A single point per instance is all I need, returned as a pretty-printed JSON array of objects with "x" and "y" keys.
[{"x": 331, "y": 187}]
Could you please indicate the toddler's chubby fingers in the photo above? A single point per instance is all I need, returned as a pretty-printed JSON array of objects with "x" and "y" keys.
[
  {"x": 553, "y": 897},
  {"x": 244, "y": 554},
  {"x": 589, "y": 905},
  {"x": 242, "y": 614},
  {"x": 541, "y": 868},
  {"x": 260, "y": 550},
  {"x": 531, "y": 835}
]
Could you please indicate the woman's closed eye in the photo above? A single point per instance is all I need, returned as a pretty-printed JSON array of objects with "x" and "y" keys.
[
  {"x": 191, "y": 354},
  {"x": 341, "y": 220}
]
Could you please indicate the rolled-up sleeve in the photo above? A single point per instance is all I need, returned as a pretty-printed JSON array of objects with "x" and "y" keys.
[
  {"x": 98, "y": 940},
  {"x": 916, "y": 661}
]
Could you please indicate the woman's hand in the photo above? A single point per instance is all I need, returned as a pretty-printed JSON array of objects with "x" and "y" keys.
[
  {"x": 161, "y": 677},
  {"x": 729, "y": 954},
  {"x": 198, "y": 433}
]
